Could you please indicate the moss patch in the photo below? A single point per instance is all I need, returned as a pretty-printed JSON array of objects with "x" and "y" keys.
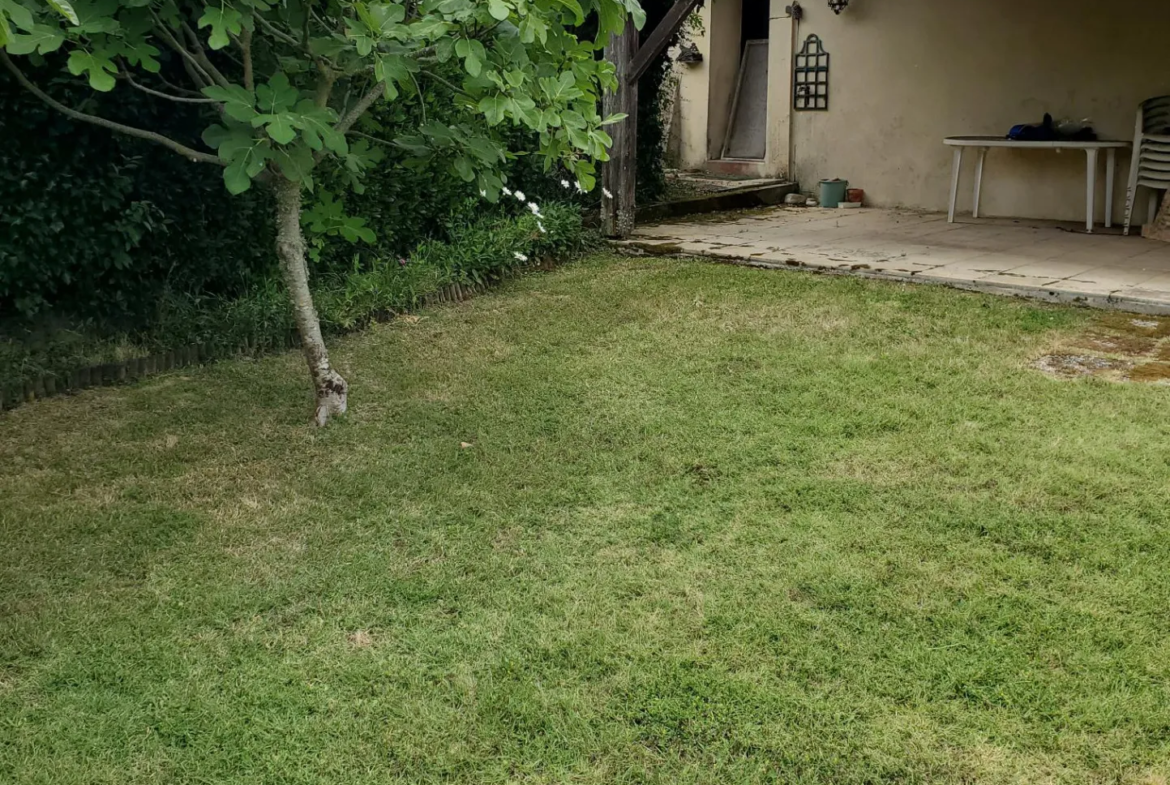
[
  {"x": 658, "y": 249},
  {"x": 1072, "y": 366},
  {"x": 1136, "y": 324},
  {"x": 1128, "y": 345},
  {"x": 1152, "y": 372}
]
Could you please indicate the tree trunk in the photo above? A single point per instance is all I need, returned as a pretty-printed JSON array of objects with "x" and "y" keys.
[{"x": 290, "y": 249}]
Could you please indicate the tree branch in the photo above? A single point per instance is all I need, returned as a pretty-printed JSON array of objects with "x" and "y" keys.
[
  {"x": 194, "y": 70},
  {"x": 359, "y": 109},
  {"x": 202, "y": 58},
  {"x": 373, "y": 138},
  {"x": 441, "y": 80},
  {"x": 275, "y": 32},
  {"x": 176, "y": 88},
  {"x": 140, "y": 133},
  {"x": 246, "y": 53},
  {"x": 130, "y": 80},
  {"x": 422, "y": 101}
]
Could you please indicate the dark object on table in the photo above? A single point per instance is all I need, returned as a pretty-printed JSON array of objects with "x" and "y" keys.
[{"x": 1048, "y": 132}]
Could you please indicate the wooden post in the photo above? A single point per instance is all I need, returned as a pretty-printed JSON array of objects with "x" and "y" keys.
[{"x": 618, "y": 174}]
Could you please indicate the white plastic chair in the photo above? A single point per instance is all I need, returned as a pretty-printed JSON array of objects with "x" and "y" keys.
[{"x": 1150, "y": 167}]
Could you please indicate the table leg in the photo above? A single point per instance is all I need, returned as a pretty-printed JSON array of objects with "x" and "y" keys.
[
  {"x": 1110, "y": 171},
  {"x": 1090, "y": 188},
  {"x": 957, "y": 166},
  {"x": 979, "y": 179}
]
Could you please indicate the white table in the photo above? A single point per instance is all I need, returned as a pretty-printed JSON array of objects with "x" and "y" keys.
[{"x": 985, "y": 143}]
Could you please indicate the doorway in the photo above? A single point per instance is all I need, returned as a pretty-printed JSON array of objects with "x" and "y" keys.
[{"x": 746, "y": 132}]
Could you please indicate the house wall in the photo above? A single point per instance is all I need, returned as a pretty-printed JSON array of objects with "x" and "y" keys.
[{"x": 906, "y": 73}]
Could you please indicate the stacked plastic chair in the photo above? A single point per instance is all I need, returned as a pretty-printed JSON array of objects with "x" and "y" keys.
[{"x": 1150, "y": 167}]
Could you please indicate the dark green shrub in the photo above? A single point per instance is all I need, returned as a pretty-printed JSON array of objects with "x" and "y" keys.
[{"x": 98, "y": 225}]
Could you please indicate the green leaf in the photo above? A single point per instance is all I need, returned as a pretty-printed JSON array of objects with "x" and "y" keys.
[
  {"x": 65, "y": 9},
  {"x": 278, "y": 126},
  {"x": 573, "y": 119},
  {"x": 353, "y": 229},
  {"x": 222, "y": 21},
  {"x": 21, "y": 17},
  {"x": 42, "y": 40},
  {"x": 238, "y": 103},
  {"x": 444, "y": 49},
  {"x": 5, "y": 30},
  {"x": 485, "y": 150},
  {"x": 96, "y": 16},
  {"x": 215, "y": 135},
  {"x": 490, "y": 184},
  {"x": 276, "y": 96},
  {"x": 575, "y": 7},
  {"x": 327, "y": 47},
  {"x": 562, "y": 90},
  {"x": 296, "y": 163},
  {"x": 464, "y": 169},
  {"x": 100, "y": 68},
  {"x": 438, "y": 132},
  {"x": 236, "y": 178},
  {"x": 391, "y": 68},
  {"x": 316, "y": 126},
  {"x": 638, "y": 13},
  {"x": 614, "y": 118},
  {"x": 141, "y": 54},
  {"x": 611, "y": 19},
  {"x": 429, "y": 28},
  {"x": 498, "y": 10},
  {"x": 247, "y": 156},
  {"x": 473, "y": 55},
  {"x": 492, "y": 107},
  {"x": 360, "y": 37}
]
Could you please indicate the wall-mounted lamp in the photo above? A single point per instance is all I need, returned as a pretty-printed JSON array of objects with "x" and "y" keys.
[
  {"x": 838, "y": 6},
  {"x": 690, "y": 54}
]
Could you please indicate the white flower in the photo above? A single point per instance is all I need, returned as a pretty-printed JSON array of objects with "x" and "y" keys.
[
  {"x": 519, "y": 256},
  {"x": 564, "y": 183},
  {"x": 540, "y": 226},
  {"x": 505, "y": 190},
  {"x": 534, "y": 208},
  {"x": 580, "y": 188},
  {"x": 519, "y": 195},
  {"x": 605, "y": 191},
  {"x": 483, "y": 194}
]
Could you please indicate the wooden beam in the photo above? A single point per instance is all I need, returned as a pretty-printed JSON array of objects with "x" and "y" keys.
[
  {"x": 661, "y": 36},
  {"x": 618, "y": 174}
]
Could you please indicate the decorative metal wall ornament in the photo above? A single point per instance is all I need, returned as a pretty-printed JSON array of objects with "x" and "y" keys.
[
  {"x": 810, "y": 78},
  {"x": 689, "y": 53},
  {"x": 838, "y": 5}
]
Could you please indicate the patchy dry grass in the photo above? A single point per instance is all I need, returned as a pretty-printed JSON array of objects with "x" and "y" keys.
[
  {"x": 637, "y": 521},
  {"x": 1122, "y": 347}
]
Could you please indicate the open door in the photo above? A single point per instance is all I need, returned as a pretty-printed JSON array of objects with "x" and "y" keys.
[{"x": 747, "y": 127}]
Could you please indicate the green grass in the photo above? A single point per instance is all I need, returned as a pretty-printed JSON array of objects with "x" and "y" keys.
[{"x": 715, "y": 525}]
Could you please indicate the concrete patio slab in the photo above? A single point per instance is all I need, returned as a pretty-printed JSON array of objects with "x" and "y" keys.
[{"x": 1040, "y": 259}]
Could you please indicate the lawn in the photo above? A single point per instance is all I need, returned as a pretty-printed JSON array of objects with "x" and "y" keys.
[{"x": 633, "y": 521}]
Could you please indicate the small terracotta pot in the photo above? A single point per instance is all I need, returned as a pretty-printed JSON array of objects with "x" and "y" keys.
[{"x": 855, "y": 195}]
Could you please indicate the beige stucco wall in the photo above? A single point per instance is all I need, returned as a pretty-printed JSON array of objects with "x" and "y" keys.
[
  {"x": 692, "y": 100},
  {"x": 906, "y": 73}
]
